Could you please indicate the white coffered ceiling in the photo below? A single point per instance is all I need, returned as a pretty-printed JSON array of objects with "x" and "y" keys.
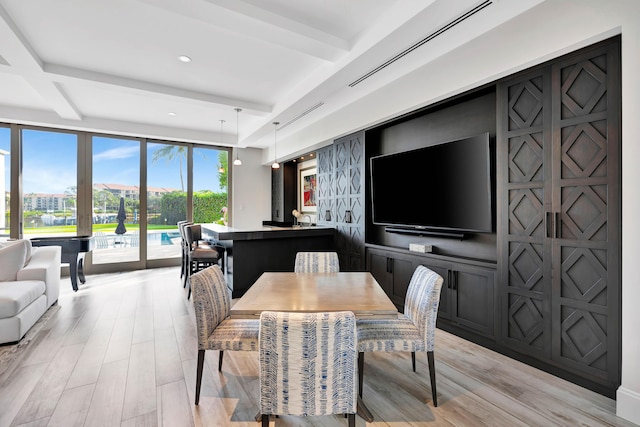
[{"x": 112, "y": 66}]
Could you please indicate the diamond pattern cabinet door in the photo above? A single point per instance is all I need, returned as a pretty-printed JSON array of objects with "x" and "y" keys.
[
  {"x": 523, "y": 152},
  {"x": 348, "y": 200},
  {"x": 586, "y": 247},
  {"x": 324, "y": 166}
]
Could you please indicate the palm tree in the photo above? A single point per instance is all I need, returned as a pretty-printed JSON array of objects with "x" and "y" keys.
[{"x": 170, "y": 153}]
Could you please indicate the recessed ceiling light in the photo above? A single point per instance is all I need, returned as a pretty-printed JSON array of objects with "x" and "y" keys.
[
  {"x": 184, "y": 58},
  {"x": 171, "y": 113}
]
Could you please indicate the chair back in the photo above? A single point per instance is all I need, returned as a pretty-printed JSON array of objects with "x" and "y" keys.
[
  {"x": 100, "y": 240},
  {"x": 193, "y": 234},
  {"x": 421, "y": 302},
  {"x": 134, "y": 239},
  {"x": 317, "y": 262},
  {"x": 308, "y": 363},
  {"x": 211, "y": 301}
]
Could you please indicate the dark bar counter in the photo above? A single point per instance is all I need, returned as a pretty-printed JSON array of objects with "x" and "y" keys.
[{"x": 251, "y": 252}]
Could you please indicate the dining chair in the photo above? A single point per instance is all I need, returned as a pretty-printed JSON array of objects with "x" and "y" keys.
[
  {"x": 215, "y": 329},
  {"x": 199, "y": 256},
  {"x": 308, "y": 364},
  {"x": 412, "y": 331},
  {"x": 316, "y": 262}
]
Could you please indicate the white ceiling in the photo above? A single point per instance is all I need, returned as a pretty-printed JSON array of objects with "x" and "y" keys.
[{"x": 112, "y": 66}]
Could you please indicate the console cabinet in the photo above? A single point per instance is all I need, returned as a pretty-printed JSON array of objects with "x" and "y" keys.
[{"x": 468, "y": 295}]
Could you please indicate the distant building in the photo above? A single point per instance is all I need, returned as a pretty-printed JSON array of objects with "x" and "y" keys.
[
  {"x": 132, "y": 191},
  {"x": 46, "y": 202}
]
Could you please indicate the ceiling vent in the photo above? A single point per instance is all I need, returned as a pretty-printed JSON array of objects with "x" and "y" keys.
[
  {"x": 428, "y": 38},
  {"x": 301, "y": 115}
]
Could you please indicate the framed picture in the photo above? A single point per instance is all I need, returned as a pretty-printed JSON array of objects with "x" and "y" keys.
[{"x": 308, "y": 183}]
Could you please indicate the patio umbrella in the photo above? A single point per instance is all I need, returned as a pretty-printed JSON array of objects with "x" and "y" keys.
[{"x": 122, "y": 215}]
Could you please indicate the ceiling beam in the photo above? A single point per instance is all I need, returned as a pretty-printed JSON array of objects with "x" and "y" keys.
[
  {"x": 247, "y": 20},
  {"x": 22, "y": 56}
]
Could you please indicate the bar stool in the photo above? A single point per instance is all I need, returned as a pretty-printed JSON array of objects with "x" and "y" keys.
[
  {"x": 184, "y": 250},
  {"x": 199, "y": 256}
]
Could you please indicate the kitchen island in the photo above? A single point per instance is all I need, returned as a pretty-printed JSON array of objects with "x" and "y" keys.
[{"x": 251, "y": 252}]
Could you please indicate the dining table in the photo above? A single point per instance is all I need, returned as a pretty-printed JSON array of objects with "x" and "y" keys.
[{"x": 358, "y": 292}]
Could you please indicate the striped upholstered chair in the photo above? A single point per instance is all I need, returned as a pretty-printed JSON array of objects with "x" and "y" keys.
[
  {"x": 216, "y": 330},
  {"x": 308, "y": 364},
  {"x": 317, "y": 262},
  {"x": 413, "y": 331}
]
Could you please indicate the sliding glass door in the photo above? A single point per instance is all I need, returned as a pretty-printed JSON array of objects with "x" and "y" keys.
[
  {"x": 167, "y": 180},
  {"x": 128, "y": 193},
  {"x": 49, "y": 183},
  {"x": 5, "y": 183},
  {"x": 116, "y": 200}
]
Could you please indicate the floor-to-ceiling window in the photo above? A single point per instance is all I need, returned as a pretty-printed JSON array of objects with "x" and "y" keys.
[
  {"x": 167, "y": 180},
  {"x": 128, "y": 193},
  {"x": 49, "y": 183},
  {"x": 116, "y": 199},
  {"x": 5, "y": 182},
  {"x": 210, "y": 174}
]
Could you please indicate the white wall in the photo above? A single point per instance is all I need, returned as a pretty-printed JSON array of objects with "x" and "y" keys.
[
  {"x": 549, "y": 30},
  {"x": 251, "y": 192}
]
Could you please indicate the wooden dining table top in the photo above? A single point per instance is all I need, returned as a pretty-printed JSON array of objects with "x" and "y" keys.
[{"x": 358, "y": 292}]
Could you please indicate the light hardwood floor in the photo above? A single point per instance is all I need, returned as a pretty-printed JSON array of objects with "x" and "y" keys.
[{"x": 122, "y": 352}]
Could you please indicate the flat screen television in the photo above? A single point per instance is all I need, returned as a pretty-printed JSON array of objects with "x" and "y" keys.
[{"x": 445, "y": 187}]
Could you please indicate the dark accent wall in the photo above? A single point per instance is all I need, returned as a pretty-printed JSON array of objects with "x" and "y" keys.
[{"x": 465, "y": 116}]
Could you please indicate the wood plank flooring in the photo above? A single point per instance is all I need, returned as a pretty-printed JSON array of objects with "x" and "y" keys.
[{"x": 122, "y": 352}]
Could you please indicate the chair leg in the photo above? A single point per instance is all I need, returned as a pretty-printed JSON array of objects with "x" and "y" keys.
[
  {"x": 360, "y": 372},
  {"x": 265, "y": 420},
  {"x": 432, "y": 375},
  {"x": 199, "y": 374},
  {"x": 413, "y": 360},
  {"x": 352, "y": 420},
  {"x": 220, "y": 361}
]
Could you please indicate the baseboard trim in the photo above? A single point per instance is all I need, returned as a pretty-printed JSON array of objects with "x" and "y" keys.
[{"x": 628, "y": 405}]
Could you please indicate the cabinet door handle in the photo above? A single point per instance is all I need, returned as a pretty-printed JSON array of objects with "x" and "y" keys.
[
  {"x": 449, "y": 279},
  {"x": 556, "y": 225},
  {"x": 547, "y": 224},
  {"x": 390, "y": 265},
  {"x": 454, "y": 276}
]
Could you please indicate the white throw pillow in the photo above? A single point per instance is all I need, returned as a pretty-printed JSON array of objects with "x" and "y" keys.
[{"x": 12, "y": 259}]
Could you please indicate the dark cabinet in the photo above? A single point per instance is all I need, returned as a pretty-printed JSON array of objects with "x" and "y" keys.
[
  {"x": 467, "y": 298},
  {"x": 558, "y": 156},
  {"x": 393, "y": 272}
]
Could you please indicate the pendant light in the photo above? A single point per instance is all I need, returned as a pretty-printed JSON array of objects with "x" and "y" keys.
[
  {"x": 237, "y": 161},
  {"x": 221, "y": 169},
  {"x": 275, "y": 164}
]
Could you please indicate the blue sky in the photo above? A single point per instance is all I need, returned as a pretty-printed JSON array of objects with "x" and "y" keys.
[{"x": 48, "y": 169}]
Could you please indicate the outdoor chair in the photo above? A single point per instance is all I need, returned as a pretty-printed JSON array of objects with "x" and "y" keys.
[
  {"x": 101, "y": 240},
  {"x": 413, "y": 331}
]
